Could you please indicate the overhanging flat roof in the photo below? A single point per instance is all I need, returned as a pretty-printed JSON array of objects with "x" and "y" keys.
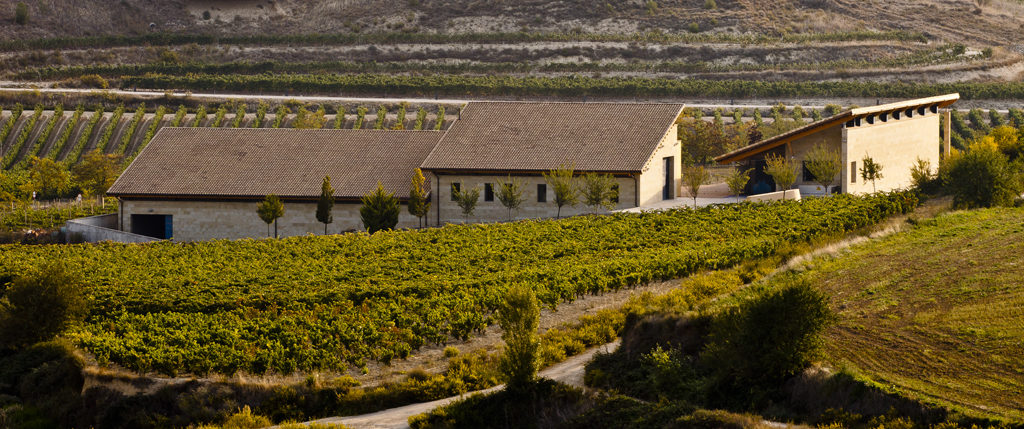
[{"x": 938, "y": 102}]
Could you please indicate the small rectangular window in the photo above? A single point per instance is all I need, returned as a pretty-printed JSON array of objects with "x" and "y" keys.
[
  {"x": 456, "y": 187},
  {"x": 488, "y": 192},
  {"x": 542, "y": 193},
  {"x": 853, "y": 171}
]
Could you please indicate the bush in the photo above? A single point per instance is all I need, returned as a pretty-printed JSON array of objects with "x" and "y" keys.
[
  {"x": 380, "y": 210},
  {"x": 40, "y": 305},
  {"x": 766, "y": 340},
  {"x": 93, "y": 81},
  {"x": 549, "y": 405},
  {"x": 21, "y": 13},
  {"x": 981, "y": 177}
]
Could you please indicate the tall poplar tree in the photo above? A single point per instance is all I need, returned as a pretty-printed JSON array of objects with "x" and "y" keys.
[{"x": 325, "y": 206}]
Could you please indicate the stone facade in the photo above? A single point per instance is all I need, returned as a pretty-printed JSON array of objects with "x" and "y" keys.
[
  {"x": 895, "y": 144},
  {"x": 634, "y": 190},
  {"x": 208, "y": 220}
]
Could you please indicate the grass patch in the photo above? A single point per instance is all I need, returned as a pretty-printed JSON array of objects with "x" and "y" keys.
[{"x": 935, "y": 314}]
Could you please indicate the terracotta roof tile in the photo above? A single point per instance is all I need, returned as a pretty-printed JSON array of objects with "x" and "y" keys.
[
  {"x": 241, "y": 163},
  {"x": 534, "y": 136}
]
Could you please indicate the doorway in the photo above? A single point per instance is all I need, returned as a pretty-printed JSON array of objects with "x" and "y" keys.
[
  {"x": 156, "y": 226},
  {"x": 668, "y": 191}
]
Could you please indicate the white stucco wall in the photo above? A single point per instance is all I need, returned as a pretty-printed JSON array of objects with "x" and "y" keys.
[
  {"x": 895, "y": 144},
  {"x": 207, "y": 220},
  {"x": 653, "y": 177}
]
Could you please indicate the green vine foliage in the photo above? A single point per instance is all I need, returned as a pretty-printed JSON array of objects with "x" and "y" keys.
[
  {"x": 330, "y": 302},
  {"x": 76, "y": 152},
  {"x": 65, "y": 135}
]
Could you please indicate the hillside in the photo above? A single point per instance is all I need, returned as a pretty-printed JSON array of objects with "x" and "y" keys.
[
  {"x": 793, "y": 40},
  {"x": 935, "y": 313}
]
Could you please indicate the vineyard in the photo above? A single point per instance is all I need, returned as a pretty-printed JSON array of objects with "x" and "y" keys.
[
  {"x": 567, "y": 86},
  {"x": 325, "y": 303},
  {"x": 66, "y": 136}
]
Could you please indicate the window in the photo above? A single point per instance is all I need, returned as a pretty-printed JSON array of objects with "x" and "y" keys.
[
  {"x": 456, "y": 187},
  {"x": 808, "y": 176},
  {"x": 853, "y": 171},
  {"x": 615, "y": 193},
  {"x": 542, "y": 193},
  {"x": 488, "y": 192}
]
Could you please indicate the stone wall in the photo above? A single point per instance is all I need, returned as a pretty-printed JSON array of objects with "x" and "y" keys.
[
  {"x": 94, "y": 229},
  {"x": 895, "y": 145},
  {"x": 206, "y": 220}
]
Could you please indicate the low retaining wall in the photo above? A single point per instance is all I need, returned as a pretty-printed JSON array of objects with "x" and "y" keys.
[
  {"x": 790, "y": 194},
  {"x": 94, "y": 229}
]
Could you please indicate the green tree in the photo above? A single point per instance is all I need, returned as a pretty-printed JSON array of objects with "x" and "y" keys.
[
  {"x": 782, "y": 170},
  {"x": 981, "y": 177},
  {"x": 382, "y": 115},
  {"x": 519, "y": 318},
  {"x": 308, "y": 120},
  {"x": 419, "y": 206},
  {"x": 39, "y": 305},
  {"x": 270, "y": 210},
  {"x": 766, "y": 340},
  {"x": 694, "y": 176},
  {"x": 97, "y": 172},
  {"x": 510, "y": 194},
  {"x": 737, "y": 180},
  {"x": 824, "y": 164},
  {"x": 325, "y": 206},
  {"x": 400, "y": 122},
  {"x": 598, "y": 190},
  {"x": 380, "y": 210},
  {"x": 467, "y": 199},
  {"x": 562, "y": 181},
  {"x": 48, "y": 178},
  {"x": 21, "y": 13},
  {"x": 870, "y": 171}
]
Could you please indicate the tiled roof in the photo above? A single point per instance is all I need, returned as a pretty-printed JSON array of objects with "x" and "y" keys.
[
  {"x": 534, "y": 136},
  {"x": 252, "y": 163}
]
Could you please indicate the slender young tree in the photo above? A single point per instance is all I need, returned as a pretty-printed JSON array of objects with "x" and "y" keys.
[
  {"x": 519, "y": 318},
  {"x": 695, "y": 176},
  {"x": 325, "y": 206},
  {"x": 824, "y": 164},
  {"x": 563, "y": 183},
  {"x": 380, "y": 210},
  {"x": 270, "y": 210},
  {"x": 598, "y": 190},
  {"x": 782, "y": 170},
  {"x": 738, "y": 180},
  {"x": 467, "y": 199},
  {"x": 419, "y": 206},
  {"x": 870, "y": 170},
  {"x": 510, "y": 194}
]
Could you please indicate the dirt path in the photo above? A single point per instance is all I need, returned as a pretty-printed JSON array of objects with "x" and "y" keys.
[{"x": 569, "y": 372}]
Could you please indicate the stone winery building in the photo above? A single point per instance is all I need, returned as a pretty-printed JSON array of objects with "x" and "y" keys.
[
  {"x": 893, "y": 135},
  {"x": 205, "y": 183}
]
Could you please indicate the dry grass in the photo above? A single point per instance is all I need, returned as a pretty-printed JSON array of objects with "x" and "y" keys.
[{"x": 936, "y": 313}]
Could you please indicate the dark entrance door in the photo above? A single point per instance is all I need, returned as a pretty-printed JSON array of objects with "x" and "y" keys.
[
  {"x": 668, "y": 191},
  {"x": 156, "y": 226}
]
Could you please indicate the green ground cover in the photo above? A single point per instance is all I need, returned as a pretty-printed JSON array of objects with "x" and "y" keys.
[
  {"x": 323, "y": 303},
  {"x": 937, "y": 313}
]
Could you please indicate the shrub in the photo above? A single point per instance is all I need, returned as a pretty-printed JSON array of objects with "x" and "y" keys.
[
  {"x": 923, "y": 177},
  {"x": 21, "y": 13},
  {"x": 710, "y": 4},
  {"x": 763, "y": 341},
  {"x": 93, "y": 81},
  {"x": 981, "y": 177},
  {"x": 519, "y": 318},
  {"x": 40, "y": 305},
  {"x": 782, "y": 170},
  {"x": 380, "y": 210}
]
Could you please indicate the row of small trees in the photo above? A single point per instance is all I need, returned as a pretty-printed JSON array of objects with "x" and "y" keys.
[{"x": 381, "y": 209}]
